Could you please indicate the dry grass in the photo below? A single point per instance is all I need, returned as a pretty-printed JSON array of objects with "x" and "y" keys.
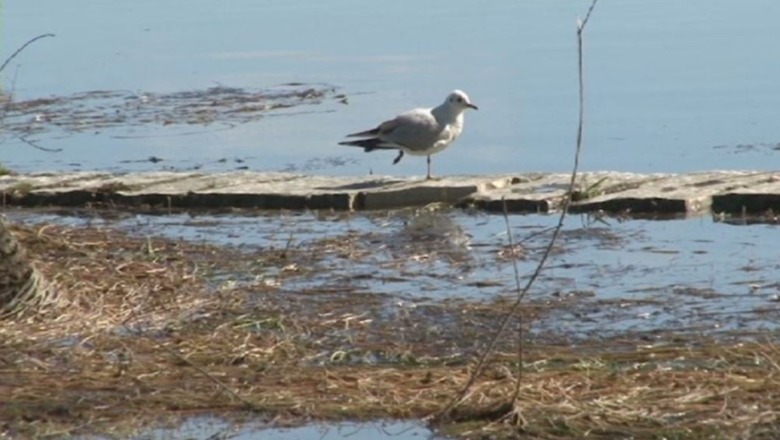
[{"x": 139, "y": 334}]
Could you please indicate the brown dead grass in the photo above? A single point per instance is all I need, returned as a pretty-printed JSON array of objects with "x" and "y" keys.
[{"x": 138, "y": 333}]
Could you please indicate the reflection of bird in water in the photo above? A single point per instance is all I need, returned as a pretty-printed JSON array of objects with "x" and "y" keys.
[
  {"x": 418, "y": 132},
  {"x": 426, "y": 232}
]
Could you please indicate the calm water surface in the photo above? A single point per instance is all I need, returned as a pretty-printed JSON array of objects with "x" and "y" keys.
[
  {"x": 668, "y": 81},
  {"x": 207, "y": 428}
]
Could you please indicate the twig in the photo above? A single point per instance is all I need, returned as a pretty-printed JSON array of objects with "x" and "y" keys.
[
  {"x": 13, "y": 55},
  {"x": 564, "y": 211},
  {"x": 34, "y": 145},
  {"x": 8, "y": 101},
  {"x": 5, "y": 63},
  {"x": 520, "y": 295}
]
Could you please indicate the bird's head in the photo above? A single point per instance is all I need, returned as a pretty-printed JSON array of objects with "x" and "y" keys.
[{"x": 460, "y": 100}]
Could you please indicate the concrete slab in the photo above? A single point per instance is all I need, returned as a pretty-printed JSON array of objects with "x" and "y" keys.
[
  {"x": 625, "y": 193},
  {"x": 538, "y": 192},
  {"x": 663, "y": 193},
  {"x": 758, "y": 195}
]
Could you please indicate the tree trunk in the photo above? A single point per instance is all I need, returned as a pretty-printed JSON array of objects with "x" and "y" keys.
[{"x": 21, "y": 286}]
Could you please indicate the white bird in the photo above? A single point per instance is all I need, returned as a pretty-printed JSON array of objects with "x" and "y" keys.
[{"x": 418, "y": 132}]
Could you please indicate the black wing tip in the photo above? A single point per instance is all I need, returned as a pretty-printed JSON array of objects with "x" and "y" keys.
[
  {"x": 352, "y": 143},
  {"x": 365, "y": 133},
  {"x": 360, "y": 144},
  {"x": 367, "y": 145}
]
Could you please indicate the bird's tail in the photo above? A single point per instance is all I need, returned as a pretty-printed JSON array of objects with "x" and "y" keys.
[
  {"x": 368, "y": 145},
  {"x": 367, "y": 133}
]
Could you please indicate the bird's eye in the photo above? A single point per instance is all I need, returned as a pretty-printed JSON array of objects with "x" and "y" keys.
[{"x": 460, "y": 99}]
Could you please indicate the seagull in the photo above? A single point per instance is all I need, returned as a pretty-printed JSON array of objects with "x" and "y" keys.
[{"x": 418, "y": 132}]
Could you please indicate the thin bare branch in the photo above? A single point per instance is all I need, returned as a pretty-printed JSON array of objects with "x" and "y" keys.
[
  {"x": 34, "y": 145},
  {"x": 13, "y": 55},
  {"x": 539, "y": 267}
]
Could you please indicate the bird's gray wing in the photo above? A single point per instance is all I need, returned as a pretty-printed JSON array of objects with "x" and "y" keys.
[
  {"x": 415, "y": 130},
  {"x": 381, "y": 129}
]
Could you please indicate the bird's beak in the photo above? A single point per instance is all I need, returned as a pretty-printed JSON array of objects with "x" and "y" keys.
[{"x": 470, "y": 105}]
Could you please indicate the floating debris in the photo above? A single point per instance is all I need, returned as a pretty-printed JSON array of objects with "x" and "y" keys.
[{"x": 111, "y": 109}]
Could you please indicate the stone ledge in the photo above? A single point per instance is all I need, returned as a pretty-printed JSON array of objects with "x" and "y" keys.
[{"x": 626, "y": 193}]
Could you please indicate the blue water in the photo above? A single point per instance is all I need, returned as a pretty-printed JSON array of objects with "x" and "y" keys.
[
  {"x": 209, "y": 428},
  {"x": 667, "y": 81}
]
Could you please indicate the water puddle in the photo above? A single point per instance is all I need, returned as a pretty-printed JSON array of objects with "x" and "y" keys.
[{"x": 208, "y": 428}]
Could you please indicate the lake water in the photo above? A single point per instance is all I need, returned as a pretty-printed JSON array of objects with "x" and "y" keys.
[{"x": 671, "y": 86}]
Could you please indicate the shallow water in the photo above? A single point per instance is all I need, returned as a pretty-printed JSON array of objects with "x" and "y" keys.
[
  {"x": 604, "y": 277},
  {"x": 214, "y": 428},
  {"x": 672, "y": 86}
]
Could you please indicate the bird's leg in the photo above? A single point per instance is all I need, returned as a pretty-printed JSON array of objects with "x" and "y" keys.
[
  {"x": 400, "y": 155},
  {"x": 428, "y": 177}
]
